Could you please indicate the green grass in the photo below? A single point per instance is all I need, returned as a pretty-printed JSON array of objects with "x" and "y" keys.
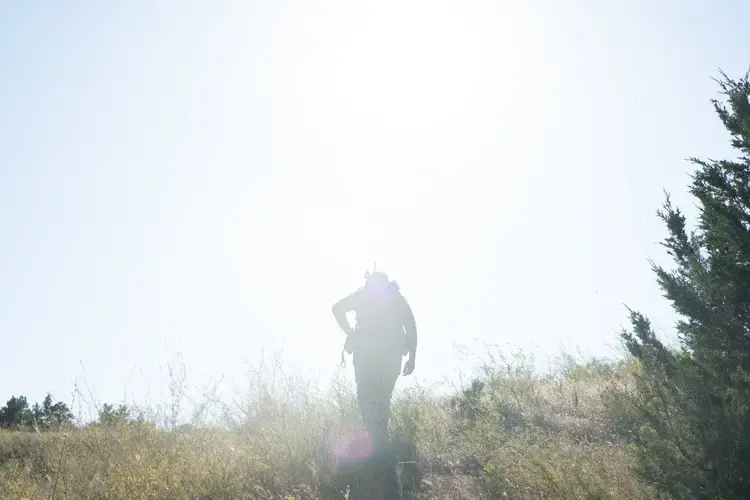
[{"x": 516, "y": 436}]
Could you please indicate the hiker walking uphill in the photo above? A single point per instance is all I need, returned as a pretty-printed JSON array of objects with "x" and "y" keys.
[{"x": 385, "y": 331}]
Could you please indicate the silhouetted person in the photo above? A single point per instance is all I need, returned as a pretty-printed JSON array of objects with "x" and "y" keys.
[{"x": 385, "y": 331}]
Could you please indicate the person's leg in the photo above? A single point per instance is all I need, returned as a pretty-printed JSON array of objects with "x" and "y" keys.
[
  {"x": 364, "y": 378},
  {"x": 385, "y": 467},
  {"x": 376, "y": 378},
  {"x": 383, "y": 387}
]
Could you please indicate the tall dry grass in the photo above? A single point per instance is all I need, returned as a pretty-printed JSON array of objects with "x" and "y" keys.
[{"x": 509, "y": 434}]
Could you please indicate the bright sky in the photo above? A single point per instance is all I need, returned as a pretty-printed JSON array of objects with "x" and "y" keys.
[{"x": 209, "y": 177}]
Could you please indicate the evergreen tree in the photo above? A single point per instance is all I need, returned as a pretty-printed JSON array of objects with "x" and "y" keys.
[
  {"x": 109, "y": 415},
  {"x": 37, "y": 415},
  {"x": 691, "y": 408},
  {"x": 47, "y": 405},
  {"x": 59, "y": 416},
  {"x": 15, "y": 413}
]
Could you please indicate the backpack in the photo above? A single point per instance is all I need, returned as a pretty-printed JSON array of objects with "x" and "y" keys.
[{"x": 378, "y": 321}]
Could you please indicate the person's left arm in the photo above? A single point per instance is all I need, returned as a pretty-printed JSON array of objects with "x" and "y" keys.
[{"x": 410, "y": 326}]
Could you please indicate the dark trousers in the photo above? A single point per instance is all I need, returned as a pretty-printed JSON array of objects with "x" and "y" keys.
[{"x": 376, "y": 375}]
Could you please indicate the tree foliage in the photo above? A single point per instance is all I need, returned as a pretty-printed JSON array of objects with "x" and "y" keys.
[
  {"x": 691, "y": 407},
  {"x": 110, "y": 416},
  {"x": 16, "y": 414}
]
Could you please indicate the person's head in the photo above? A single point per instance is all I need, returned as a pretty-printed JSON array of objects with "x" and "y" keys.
[{"x": 376, "y": 281}]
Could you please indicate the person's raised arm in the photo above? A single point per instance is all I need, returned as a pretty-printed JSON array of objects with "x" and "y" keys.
[
  {"x": 410, "y": 326},
  {"x": 340, "y": 309}
]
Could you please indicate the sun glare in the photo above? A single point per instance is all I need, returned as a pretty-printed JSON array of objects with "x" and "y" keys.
[
  {"x": 403, "y": 85},
  {"x": 393, "y": 101}
]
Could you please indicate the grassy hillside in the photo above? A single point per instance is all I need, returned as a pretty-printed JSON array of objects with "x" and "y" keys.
[{"x": 508, "y": 434}]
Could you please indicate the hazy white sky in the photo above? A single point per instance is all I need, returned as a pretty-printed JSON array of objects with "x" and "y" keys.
[{"x": 209, "y": 177}]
